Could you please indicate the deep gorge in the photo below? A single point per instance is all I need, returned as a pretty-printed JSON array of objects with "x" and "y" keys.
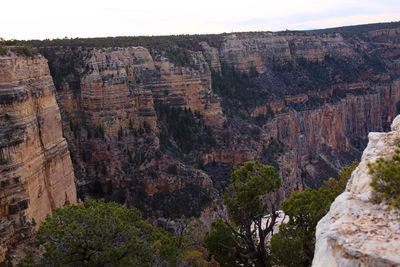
[{"x": 159, "y": 123}]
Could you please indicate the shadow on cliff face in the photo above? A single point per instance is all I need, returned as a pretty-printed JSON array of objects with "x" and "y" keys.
[
  {"x": 327, "y": 164},
  {"x": 188, "y": 201},
  {"x": 65, "y": 65},
  {"x": 220, "y": 174},
  {"x": 183, "y": 131}
]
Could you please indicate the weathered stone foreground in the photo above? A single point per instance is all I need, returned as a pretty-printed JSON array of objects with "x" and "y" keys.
[
  {"x": 36, "y": 174},
  {"x": 357, "y": 232}
]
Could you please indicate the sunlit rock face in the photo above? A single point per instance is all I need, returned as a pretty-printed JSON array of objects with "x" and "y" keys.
[
  {"x": 36, "y": 174},
  {"x": 356, "y": 232}
]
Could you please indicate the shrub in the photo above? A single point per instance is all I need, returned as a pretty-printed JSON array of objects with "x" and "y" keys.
[
  {"x": 386, "y": 179},
  {"x": 26, "y": 51},
  {"x": 3, "y": 50},
  {"x": 96, "y": 233}
]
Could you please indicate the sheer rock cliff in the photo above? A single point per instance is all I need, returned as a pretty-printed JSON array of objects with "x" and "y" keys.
[{"x": 36, "y": 173}]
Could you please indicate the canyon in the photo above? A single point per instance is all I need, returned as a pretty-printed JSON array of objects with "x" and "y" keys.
[
  {"x": 304, "y": 102},
  {"x": 159, "y": 122}
]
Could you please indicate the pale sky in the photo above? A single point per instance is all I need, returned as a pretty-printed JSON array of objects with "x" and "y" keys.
[{"x": 40, "y": 19}]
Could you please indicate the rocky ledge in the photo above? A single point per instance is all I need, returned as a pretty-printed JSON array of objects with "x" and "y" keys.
[{"x": 357, "y": 232}]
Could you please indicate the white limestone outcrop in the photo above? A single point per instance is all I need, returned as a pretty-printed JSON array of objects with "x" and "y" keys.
[{"x": 357, "y": 232}]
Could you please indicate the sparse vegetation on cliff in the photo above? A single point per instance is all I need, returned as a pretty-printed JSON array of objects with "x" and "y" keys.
[
  {"x": 179, "y": 56},
  {"x": 19, "y": 47},
  {"x": 386, "y": 179},
  {"x": 272, "y": 151},
  {"x": 175, "y": 47},
  {"x": 232, "y": 84},
  {"x": 190, "y": 42},
  {"x": 183, "y": 129},
  {"x": 26, "y": 51},
  {"x": 16, "y": 46},
  {"x": 92, "y": 130},
  {"x": 3, "y": 50}
]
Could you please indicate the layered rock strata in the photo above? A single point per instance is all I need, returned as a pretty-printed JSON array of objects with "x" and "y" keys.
[
  {"x": 36, "y": 174},
  {"x": 323, "y": 93},
  {"x": 111, "y": 101},
  {"x": 304, "y": 102}
]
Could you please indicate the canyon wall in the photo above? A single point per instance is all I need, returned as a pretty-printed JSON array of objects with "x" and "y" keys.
[
  {"x": 165, "y": 123},
  {"x": 112, "y": 102},
  {"x": 314, "y": 98},
  {"x": 356, "y": 231},
  {"x": 318, "y": 142},
  {"x": 36, "y": 173}
]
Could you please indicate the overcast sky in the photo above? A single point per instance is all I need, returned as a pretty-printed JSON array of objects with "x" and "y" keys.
[{"x": 39, "y": 19}]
